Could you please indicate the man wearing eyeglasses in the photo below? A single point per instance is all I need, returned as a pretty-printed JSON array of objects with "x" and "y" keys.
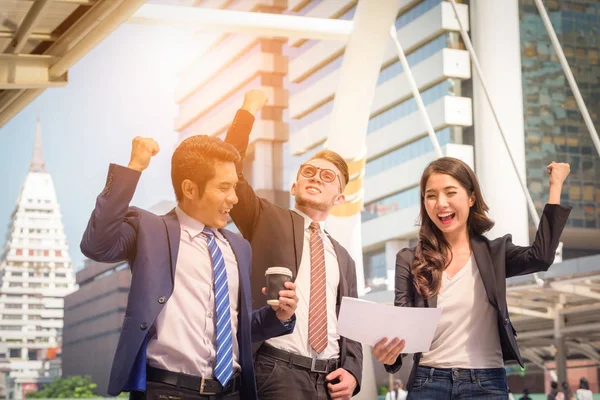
[{"x": 313, "y": 362}]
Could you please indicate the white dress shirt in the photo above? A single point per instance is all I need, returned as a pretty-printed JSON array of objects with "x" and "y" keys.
[
  {"x": 185, "y": 339},
  {"x": 297, "y": 342},
  {"x": 467, "y": 334}
]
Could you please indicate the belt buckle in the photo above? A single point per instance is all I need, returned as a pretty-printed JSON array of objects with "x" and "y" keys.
[
  {"x": 314, "y": 369},
  {"x": 202, "y": 383}
]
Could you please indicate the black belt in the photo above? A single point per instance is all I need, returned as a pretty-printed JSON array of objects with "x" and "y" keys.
[
  {"x": 312, "y": 364},
  {"x": 207, "y": 387}
]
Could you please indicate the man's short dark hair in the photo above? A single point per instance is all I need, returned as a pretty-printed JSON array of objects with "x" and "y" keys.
[
  {"x": 195, "y": 159},
  {"x": 338, "y": 161}
]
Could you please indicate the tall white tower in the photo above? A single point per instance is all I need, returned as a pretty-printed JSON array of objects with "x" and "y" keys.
[{"x": 36, "y": 274}]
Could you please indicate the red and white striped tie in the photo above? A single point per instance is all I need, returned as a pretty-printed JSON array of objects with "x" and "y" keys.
[{"x": 317, "y": 315}]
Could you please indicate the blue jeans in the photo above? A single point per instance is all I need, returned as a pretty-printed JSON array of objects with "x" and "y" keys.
[{"x": 459, "y": 384}]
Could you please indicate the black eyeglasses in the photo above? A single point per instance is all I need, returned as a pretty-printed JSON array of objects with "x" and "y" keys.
[{"x": 326, "y": 175}]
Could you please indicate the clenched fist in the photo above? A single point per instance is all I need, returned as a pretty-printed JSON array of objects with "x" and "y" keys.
[
  {"x": 558, "y": 172},
  {"x": 142, "y": 150},
  {"x": 254, "y": 101}
]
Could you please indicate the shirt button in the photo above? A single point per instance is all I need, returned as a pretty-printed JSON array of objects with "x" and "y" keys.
[
  {"x": 144, "y": 326},
  {"x": 209, "y": 314},
  {"x": 206, "y": 341},
  {"x": 506, "y": 321},
  {"x": 162, "y": 299}
]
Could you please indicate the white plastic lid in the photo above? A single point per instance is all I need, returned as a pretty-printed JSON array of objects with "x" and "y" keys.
[{"x": 279, "y": 270}]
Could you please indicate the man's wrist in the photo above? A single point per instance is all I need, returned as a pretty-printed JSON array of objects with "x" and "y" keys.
[
  {"x": 252, "y": 109},
  {"x": 135, "y": 167}
]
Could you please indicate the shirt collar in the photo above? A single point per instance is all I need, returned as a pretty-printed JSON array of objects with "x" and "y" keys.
[
  {"x": 192, "y": 226},
  {"x": 308, "y": 220}
]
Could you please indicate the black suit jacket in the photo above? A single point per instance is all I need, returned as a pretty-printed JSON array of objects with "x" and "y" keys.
[
  {"x": 496, "y": 260},
  {"x": 276, "y": 235}
]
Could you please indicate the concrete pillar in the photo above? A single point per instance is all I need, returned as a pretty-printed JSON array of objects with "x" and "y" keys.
[{"x": 494, "y": 31}]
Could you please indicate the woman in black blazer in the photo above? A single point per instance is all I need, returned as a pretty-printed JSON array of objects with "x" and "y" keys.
[{"x": 455, "y": 267}]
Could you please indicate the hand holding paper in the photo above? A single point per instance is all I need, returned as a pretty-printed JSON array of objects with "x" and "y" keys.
[
  {"x": 369, "y": 323},
  {"x": 388, "y": 351}
]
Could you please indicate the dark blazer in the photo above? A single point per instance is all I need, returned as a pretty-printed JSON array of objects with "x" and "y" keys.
[
  {"x": 496, "y": 260},
  {"x": 150, "y": 243},
  {"x": 276, "y": 235}
]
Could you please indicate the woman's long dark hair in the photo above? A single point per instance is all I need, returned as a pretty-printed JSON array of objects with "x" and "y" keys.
[{"x": 431, "y": 255}]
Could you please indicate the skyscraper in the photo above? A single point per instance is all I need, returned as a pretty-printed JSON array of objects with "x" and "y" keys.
[
  {"x": 36, "y": 274},
  {"x": 554, "y": 127}
]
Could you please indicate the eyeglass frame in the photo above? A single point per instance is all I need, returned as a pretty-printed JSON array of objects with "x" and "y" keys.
[{"x": 319, "y": 170}]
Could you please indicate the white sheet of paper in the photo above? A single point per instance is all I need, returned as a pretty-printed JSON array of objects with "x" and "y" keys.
[{"x": 368, "y": 322}]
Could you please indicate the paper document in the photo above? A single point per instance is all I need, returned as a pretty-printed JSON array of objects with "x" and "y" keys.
[{"x": 368, "y": 323}]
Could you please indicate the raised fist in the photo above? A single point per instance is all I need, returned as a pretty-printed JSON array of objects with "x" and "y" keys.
[
  {"x": 254, "y": 100},
  {"x": 558, "y": 172},
  {"x": 142, "y": 150}
]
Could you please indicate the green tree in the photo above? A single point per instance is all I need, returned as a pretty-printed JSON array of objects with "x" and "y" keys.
[{"x": 70, "y": 387}]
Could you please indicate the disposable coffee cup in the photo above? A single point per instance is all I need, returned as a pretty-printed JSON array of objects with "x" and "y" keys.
[{"x": 276, "y": 278}]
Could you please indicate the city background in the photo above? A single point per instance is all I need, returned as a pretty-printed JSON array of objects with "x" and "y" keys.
[{"x": 61, "y": 313}]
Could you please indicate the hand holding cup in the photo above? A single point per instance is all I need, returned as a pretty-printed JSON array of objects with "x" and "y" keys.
[{"x": 281, "y": 292}]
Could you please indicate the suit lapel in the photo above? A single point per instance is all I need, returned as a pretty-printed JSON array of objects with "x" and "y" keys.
[
  {"x": 342, "y": 261},
  {"x": 243, "y": 277},
  {"x": 485, "y": 267},
  {"x": 298, "y": 225},
  {"x": 173, "y": 236}
]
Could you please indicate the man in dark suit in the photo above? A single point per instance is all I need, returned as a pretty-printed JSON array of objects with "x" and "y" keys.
[
  {"x": 314, "y": 362},
  {"x": 189, "y": 325}
]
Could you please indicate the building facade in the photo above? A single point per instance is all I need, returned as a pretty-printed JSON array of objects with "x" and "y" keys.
[
  {"x": 36, "y": 275},
  {"x": 93, "y": 318},
  {"x": 554, "y": 127},
  {"x": 212, "y": 88}
]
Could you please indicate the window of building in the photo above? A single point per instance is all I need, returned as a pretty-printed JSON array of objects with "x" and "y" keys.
[
  {"x": 14, "y": 353},
  {"x": 33, "y": 354},
  {"x": 10, "y": 328},
  {"x": 406, "y": 153},
  {"x": 387, "y": 205},
  {"x": 375, "y": 270},
  {"x": 444, "y": 88}
]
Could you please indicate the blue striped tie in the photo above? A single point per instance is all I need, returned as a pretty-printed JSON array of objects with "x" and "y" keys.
[{"x": 224, "y": 363}]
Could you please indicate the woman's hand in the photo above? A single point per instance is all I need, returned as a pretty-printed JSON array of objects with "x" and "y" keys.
[
  {"x": 558, "y": 173},
  {"x": 388, "y": 352}
]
